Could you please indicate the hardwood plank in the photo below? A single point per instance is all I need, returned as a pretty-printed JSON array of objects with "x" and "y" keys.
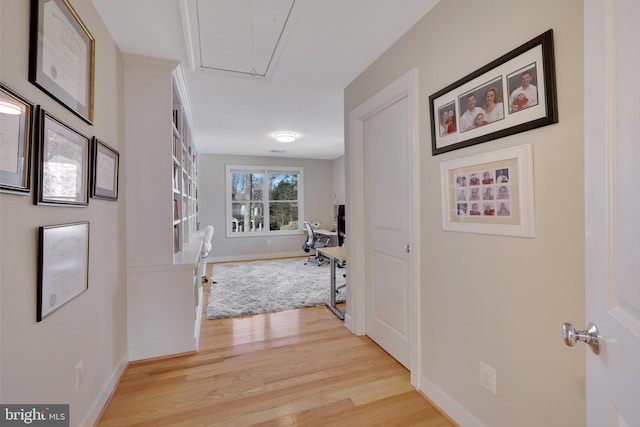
[{"x": 295, "y": 368}]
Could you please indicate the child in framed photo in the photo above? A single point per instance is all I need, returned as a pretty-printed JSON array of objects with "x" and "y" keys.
[{"x": 523, "y": 89}]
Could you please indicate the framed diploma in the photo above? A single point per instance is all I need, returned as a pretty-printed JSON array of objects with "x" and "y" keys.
[
  {"x": 104, "y": 177},
  {"x": 63, "y": 265},
  {"x": 61, "y": 56},
  {"x": 16, "y": 129},
  {"x": 62, "y": 163}
]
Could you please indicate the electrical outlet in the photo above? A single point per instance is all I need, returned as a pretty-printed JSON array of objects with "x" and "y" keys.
[
  {"x": 79, "y": 374},
  {"x": 488, "y": 377},
  {"x": 269, "y": 242}
]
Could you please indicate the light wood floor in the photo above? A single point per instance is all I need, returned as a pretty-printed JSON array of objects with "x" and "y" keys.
[{"x": 294, "y": 368}]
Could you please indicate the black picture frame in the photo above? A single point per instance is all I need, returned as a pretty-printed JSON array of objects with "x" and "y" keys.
[
  {"x": 63, "y": 266},
  {"x": 62, "y": 56},
  {"x": 62, "y": 173},
  {"x": 16, "y": 137},
  {"x": 528, "y": 71},
  {"x": 105, "y": 163}
]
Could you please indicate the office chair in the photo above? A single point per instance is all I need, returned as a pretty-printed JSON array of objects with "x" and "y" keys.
[
  {"x": 206, "y": 249},
  {"x": 314, "y": 241}
]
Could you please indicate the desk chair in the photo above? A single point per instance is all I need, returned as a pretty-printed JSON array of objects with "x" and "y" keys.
[{"x": 313, "y": 241}]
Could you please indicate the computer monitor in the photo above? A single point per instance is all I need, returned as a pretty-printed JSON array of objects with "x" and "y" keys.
[{"x": 341, "y": 225}]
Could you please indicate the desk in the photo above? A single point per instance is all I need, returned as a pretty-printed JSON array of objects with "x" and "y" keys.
[
  {"x": 334, "y": 253},
  {"x": 332, "y": 235}
]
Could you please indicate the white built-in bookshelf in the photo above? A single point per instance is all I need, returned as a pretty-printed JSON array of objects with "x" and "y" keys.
[{"x": 164, "y": 292}]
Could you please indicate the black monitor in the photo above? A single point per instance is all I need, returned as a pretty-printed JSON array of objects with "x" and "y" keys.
[{"x": 341, "y": 225}]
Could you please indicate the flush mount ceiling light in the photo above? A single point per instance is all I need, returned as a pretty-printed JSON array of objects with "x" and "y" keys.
[
  {"x": 9, "y": 108},
  {"x": 285, "y": 137}
]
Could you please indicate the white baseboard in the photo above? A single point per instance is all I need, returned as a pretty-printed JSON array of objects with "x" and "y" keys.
[
  {"x": 253, "y": 257},
  {"x": 96, "y": 409},
  {"x": 348, "y": 323},
  {"x": 160, "y": 349},
  {"x": 448, "y": 405}
]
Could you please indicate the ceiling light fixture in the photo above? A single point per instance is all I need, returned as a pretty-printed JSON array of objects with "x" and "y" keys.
[
  {"x": 285, "y": 137},
  {"x": 9, "y": 108}
]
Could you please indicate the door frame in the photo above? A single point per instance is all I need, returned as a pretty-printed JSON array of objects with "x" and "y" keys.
[{"x": 404, "y": 87}]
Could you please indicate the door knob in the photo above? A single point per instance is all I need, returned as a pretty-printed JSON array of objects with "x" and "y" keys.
[{"x": 591, "y": 336}]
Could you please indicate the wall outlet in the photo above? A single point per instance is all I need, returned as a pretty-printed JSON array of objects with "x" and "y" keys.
[
  {"x": 79, "y": 374},
  {"x": 269, "y": 242},
  {"x": 488, "y": 377}
]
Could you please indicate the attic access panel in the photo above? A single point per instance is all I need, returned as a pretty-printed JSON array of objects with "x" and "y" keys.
[{"x": 241, "y": 36}]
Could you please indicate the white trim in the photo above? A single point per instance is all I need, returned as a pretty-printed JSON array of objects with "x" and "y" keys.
[
  {"x": 448, "y": 405},
  {"x": 299, "y": 170},
  {"x": 405, "y": 86},
  {"x": 99, "y": 404}
]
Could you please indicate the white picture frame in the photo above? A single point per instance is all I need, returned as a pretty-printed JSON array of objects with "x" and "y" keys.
[{"x": 490, "y": 193}]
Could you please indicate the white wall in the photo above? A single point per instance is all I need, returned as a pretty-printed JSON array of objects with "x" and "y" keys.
[
  {"x": 339, "y": 180},
  {"x": 318, "y": 206},
  {"x": 499, "y": 300},
  {"x": 38, "y": 359}
]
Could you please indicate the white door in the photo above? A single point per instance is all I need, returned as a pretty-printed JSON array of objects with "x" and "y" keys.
[
  {"x": 387, "y": 221},
  {"x": 612, "y": 191}
]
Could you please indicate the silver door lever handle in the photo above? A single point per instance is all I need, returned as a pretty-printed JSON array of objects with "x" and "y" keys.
[{"x": 591, "y": 336}]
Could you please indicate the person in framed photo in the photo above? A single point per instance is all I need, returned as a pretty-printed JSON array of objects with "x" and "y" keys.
[
  {"x": 487, "y": 194},
  {"x": 479, "y": 121},
  {"x": 503, "y": 210},
  {"x": 467, "y": 119},
  {"x": 487, "y": 178},
  {"x": 493, "y": 107},
  {"x": 451, "y": 126},
  {"x": 447, "y": 120},
  {"x": 489, "y": 210},
  {"x": 503, "y": 192},
  {"x": 475, "y": 194},
  {"x": 444, "y": 119},
  {"x": 475, "y": 209},
  {"x": 502, "y": 175},
  {"x": 524, "y": 96}
]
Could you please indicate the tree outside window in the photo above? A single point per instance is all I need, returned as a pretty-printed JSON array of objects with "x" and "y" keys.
[{"x": 263, "y": 200}]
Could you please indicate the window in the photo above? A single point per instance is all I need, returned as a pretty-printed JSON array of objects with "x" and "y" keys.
[{"x": 263, "y": 200}]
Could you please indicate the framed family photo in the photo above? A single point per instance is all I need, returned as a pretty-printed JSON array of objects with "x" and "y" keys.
[
  {"x": 16, "y": 132},
  {"x": 62, "y": 164},
  {"x": 490, "y": 193},
  {"x": 62, "y": 55},
  {"x": 63, "y": 265},
  {"x": 514, "y": 93},
  {"x": 104, "y": 176}
]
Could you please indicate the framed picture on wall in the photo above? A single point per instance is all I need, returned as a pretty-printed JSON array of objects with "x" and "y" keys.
[
  {"x": 514, "y": 93},
  {"x": 16, "y": 131},
  {"x": 62, "y": 163},
  {"x": 63, "y": 265},
  {"x": 490, "y": 193},
  {"x": 104, "y": 171},
  {"x": 61, "y": 56}
]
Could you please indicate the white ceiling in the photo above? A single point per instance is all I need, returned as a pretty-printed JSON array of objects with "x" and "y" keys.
[{"x": 324, "y": 45}]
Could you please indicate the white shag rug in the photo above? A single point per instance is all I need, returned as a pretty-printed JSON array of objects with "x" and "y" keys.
[{"x": 245, "y": 288}]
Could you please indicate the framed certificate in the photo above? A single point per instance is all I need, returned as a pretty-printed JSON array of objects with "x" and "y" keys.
[
  {"x": 63, "y": 265},
  {"x": 63, "y": 162},
  {"x": 105, "y": 161},
  {"x": 61, "y": 56},
  {"x": 16, "y": 129}
]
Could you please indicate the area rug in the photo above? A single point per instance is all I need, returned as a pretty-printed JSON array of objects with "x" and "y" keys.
[{"x": 245, "y": 288}]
